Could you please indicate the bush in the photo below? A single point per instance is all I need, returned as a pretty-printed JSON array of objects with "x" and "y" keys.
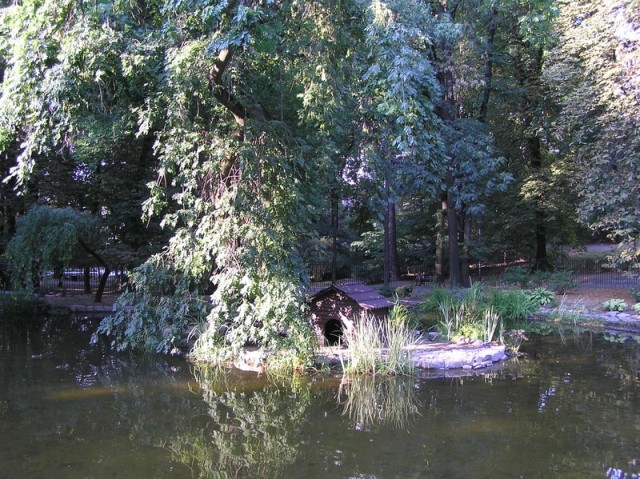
[
  {"x": 615, "y": 305},
  {"x": 636, "y": 308},
  {"x": 516, "y": 275},
  {"x": 437, "y": 296},
  {"x": 561, "y": 280},
  {"x": 541, "y": 297},
  {"x": 558, "y": 281},
  {"x": 512, "y": 306}
]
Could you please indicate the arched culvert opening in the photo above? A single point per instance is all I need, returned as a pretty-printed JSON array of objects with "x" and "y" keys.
[{"x": 333, "y": 332}]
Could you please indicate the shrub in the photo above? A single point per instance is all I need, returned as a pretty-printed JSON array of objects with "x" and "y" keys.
[
  {"x": 561, "y": 280},
  {"x": 516, "y": 275},
  {"x": 636, "y": 308},
  {"x": 21, "y": 302},
  {"x": 541, "y": 297},
  {"x": 387, "y": 291},
  {"x": 433, "y": 300},
  {"x": 636, "y": 294},
  {"x": 615, "y": 304},
  {"x": 511, "y": 305}
]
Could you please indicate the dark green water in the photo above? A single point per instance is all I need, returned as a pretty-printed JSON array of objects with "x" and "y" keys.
[{"x": 70, "y": 410}]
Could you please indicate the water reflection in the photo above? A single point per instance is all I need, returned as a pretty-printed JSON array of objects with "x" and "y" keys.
[
  {"x": 371, "y": 401},
  {"x": 67, "y": 409},
  {"x": 251, "y": 429}
]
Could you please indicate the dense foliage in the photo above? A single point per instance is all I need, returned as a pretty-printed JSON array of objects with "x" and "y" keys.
[{"x": 254, "y": 138}]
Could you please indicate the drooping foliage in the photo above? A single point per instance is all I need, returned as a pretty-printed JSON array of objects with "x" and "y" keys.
[
  {"x": 262, "y": 133},
  {"x": 48, "y": 239},
  {"x": 594, "y": 75}
]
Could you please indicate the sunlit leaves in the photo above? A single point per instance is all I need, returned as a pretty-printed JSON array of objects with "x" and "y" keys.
[{"x": 593, "y": 76}]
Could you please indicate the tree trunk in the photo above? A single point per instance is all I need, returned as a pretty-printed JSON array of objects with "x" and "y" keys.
[
  {"x": 452, "y": 230},
  {"x": 440, "y": 240},
  {"x": 87, "y": 280},
  {"x": 529, "y": 78},
  {"x": 541, "y": 259},
  {"x": 465, "y": 277},
  {"x": 334, "y": 235},
  {"x": 105, "y": 275},
  {"x": 386, "y": 249},
  {"x": 393, "y": 243},
  {"x": 488, "y": 67}
]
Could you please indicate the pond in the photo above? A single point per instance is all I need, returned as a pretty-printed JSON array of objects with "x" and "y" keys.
[{"x": 569, "y": 409}]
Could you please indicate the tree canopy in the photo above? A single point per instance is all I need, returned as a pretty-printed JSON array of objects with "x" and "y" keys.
[{"x": 224, "y": 144}]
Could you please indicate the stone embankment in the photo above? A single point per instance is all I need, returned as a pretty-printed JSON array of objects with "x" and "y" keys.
[
  {"x": 615, "y": 321},
  {"x": 466, "y": 356},
  {"x": 433, "y": 358}
]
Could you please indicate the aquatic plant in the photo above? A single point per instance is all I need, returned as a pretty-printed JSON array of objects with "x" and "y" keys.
[
  {"x": 379, "y": 347},
  {"x": 490, "y": 321},
  {"x": 452, "y": 316}
]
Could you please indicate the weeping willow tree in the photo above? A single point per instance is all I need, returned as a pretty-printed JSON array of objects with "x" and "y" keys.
[
  {"x": 49, "y": 239},
  {"x": 251, "y": 107}
]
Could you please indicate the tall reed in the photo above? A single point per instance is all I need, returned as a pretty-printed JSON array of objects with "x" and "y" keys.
[
  {"x": 490, "y": 322},
  {"x": 380, "y": 346}
]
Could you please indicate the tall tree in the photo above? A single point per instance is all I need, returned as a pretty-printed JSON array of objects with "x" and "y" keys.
[
  {"x": 463, "y": 52},
  {"x": 403, "y": 145},
  {"x": 593, "y": 74}
]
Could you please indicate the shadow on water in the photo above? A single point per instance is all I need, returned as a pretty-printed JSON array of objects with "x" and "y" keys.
[{"x": 569, "y": 408}]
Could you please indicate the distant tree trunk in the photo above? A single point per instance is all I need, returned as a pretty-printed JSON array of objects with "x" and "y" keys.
[
  {"x": 488, "y": 66},
  {"x": 452, "y": 230},
  {"x": 390, "y": 249},
  {"x": 530, "y": 80},
  {"x": 386, "y": 249},
  {"x": 541, "y": 259},
  {"x": 87, "y": 280},
  {"x": 393, "y": 243},
  {"x": 105, "y": 275},
  {"x": 465, "y": 277},
  {"x": 334, "y": 235},
  {"x": 440, "y": 240}
]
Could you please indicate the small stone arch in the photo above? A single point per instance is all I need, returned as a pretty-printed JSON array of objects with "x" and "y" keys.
[{"x": 334, "y": 332}]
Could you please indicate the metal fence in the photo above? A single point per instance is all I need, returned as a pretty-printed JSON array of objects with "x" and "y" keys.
[
  {"x": 598, "y": 273},
  {"x": 320, "y": 274},
  {"x": 74, "y": 281},
  {"x": 588, "y": 273}
]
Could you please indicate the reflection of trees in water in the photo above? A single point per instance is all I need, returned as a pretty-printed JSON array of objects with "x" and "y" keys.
[
  {"x": 252, "y": 430},
  {"x": 371, "y": 400}
]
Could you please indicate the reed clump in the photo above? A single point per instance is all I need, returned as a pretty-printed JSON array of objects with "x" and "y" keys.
[{"x": 380, "y": 346}]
